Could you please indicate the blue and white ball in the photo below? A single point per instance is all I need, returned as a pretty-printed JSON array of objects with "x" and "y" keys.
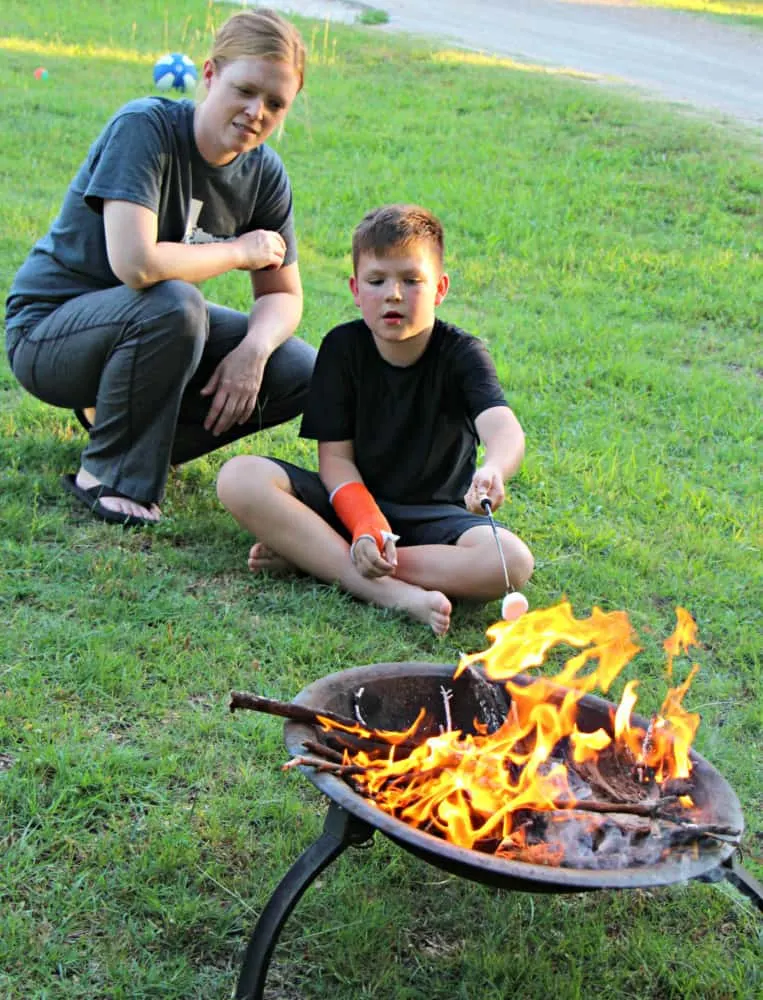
[{"x": 175, "y": 71}]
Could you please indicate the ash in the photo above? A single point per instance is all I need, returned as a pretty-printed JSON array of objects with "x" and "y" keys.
[
  {"x": 574, "y": 838},
  {"x": 605, "y": 843}
]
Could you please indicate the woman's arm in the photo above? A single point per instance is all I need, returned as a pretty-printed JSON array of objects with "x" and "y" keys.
[
  {"x": 236, "y": 381},
  {"x": 139, "y": 261},
  {"x": 277, "y": 306}
]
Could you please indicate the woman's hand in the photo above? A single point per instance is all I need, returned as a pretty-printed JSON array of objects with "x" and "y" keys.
[
  {"x": 235, "y": 383},
  {"x": 234, "y": 387},
  {"x": 261, "y": 249}
]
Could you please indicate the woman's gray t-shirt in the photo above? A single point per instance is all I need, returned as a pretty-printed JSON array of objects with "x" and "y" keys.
[{"x": 147, "y": 155}]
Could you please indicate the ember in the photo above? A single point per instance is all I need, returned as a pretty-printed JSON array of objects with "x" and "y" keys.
[{"x": 539, "y": 788}]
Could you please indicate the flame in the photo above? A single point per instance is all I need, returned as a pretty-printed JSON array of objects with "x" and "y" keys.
[
  {"x": 470, "y": 787},
  {"x": 685, "y": 635},
  {"x": 677, "y": 727}
]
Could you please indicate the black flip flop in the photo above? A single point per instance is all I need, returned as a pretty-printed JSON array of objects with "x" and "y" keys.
[{"x": 91, "y": 498}]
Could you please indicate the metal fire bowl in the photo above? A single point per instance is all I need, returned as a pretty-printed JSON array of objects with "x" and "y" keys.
[{"x": 393, "y": 694}]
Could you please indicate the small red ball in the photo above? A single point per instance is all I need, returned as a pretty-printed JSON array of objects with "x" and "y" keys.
[{"x": 41, "y": 73}]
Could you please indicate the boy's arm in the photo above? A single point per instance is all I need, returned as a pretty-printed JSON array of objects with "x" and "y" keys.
[
  {"x": 373, "y": 547},
  {"x": 504, "y": 442},
  {"x": 336, "y": 464}
]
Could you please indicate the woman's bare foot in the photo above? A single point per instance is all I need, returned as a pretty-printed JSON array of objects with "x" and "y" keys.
[
  {"x": 432, "y": 608},
  {"x": 150, "y": 512},
  {"x": 263, "y": 558}
]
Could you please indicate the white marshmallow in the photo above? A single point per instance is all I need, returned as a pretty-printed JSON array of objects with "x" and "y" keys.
[{"x": 513, "y": 606}]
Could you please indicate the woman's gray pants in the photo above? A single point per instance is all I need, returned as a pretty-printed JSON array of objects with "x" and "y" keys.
[{"x": 141, "y": 359}]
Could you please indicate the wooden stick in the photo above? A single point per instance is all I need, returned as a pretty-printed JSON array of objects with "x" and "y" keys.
[
  {"x": 593, "y": 776},
  {"x": 693, "y": 831},
  {"x": 321, "y": 750},
  {"x": 310, "y": 716},
  {"x": 351, "y": 741},
  {"x": 320, "y": 764},
  {"x": 286, "y": 709},
  {"x": 651, "y": 809},
  {"x": 689, "y": 830}
]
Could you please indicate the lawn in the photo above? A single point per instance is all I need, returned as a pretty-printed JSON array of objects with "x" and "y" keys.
[
  {"x": 609, "y": 253},
  {"x": 749, "y": 12}
]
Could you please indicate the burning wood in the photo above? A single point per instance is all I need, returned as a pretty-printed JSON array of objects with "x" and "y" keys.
[
  {"x": 345, "y": 731},
  {"x": 287, "y": 710},
  {"x": 530, "y": 783}
]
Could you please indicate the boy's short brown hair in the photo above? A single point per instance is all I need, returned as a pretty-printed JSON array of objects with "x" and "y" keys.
[{"x": 394, "y": 227}]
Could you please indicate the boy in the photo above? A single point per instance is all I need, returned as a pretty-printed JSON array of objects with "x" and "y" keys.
[{"x": 397, "y": 403}]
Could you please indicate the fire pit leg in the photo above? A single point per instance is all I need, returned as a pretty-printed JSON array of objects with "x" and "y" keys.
[
  {"x": 744, "y": 881},
  {"x": 340, "y": 830}
]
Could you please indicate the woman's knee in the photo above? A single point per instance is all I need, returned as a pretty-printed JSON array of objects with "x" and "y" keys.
[
  {"x": 180, "y": 310},
  {"x": 290, "y": 369},
  {"x": 181, "y": 298}
]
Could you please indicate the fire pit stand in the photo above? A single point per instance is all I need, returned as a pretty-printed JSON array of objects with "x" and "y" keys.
[
  {"x": 340, "y": 831},
  {"x": 393, "y": 694}
]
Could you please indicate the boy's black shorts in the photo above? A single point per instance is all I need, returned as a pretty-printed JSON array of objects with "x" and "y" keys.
[{"x": 417, "y": 524}]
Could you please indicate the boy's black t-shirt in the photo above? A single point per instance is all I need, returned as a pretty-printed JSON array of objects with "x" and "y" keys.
[{"x": 412, "y": 428}]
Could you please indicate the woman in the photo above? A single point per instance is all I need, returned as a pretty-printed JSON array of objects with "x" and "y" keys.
[{"x": 104, "y": 312}]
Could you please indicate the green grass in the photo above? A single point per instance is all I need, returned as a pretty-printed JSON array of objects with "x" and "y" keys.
[
  {"x": 748, "y": 12},
  {"x": 609, "y": 252},
  {"x": 373, "y": 15}
]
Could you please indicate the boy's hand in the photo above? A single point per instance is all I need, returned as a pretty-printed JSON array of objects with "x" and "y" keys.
[
  {"x": 371, "y": 563},
  {"x": 486, "y": 482}
]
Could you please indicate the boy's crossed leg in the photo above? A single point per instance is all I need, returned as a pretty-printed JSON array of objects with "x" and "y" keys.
[
  {"x": 471, "y": 568},
  {"x": 259, "y": 495},
  {"x": 263, "y": 559}
]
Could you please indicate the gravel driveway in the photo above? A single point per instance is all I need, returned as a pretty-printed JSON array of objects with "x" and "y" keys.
[{"x": 679, "y": 57}]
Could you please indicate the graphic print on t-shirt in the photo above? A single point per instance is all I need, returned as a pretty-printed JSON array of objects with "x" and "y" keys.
[{"x": 194, "y": 233}]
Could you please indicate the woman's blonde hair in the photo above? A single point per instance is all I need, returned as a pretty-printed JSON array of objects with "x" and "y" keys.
[{"x": 262, "y": 34}]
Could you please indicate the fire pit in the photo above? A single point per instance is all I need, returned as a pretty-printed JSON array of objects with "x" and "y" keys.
[{"x": 390, "y": 696}]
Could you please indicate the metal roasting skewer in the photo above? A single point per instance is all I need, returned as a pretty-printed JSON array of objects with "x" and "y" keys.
[
  {"x": 514, "y": 603},
  {"x": 488, "y": 508}
]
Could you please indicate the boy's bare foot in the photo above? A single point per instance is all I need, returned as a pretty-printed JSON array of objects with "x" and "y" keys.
[
  {"x": 432, "y": 608},
  {"x": 120, "y": 505},
  {"x": 263, "y": 558}
]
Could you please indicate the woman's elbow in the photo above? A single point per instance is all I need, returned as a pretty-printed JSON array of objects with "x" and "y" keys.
[
  {"x": 136, "y": 282},
  {"x": 136, "y": 277},
  {"x": 133, "y": 272}
]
